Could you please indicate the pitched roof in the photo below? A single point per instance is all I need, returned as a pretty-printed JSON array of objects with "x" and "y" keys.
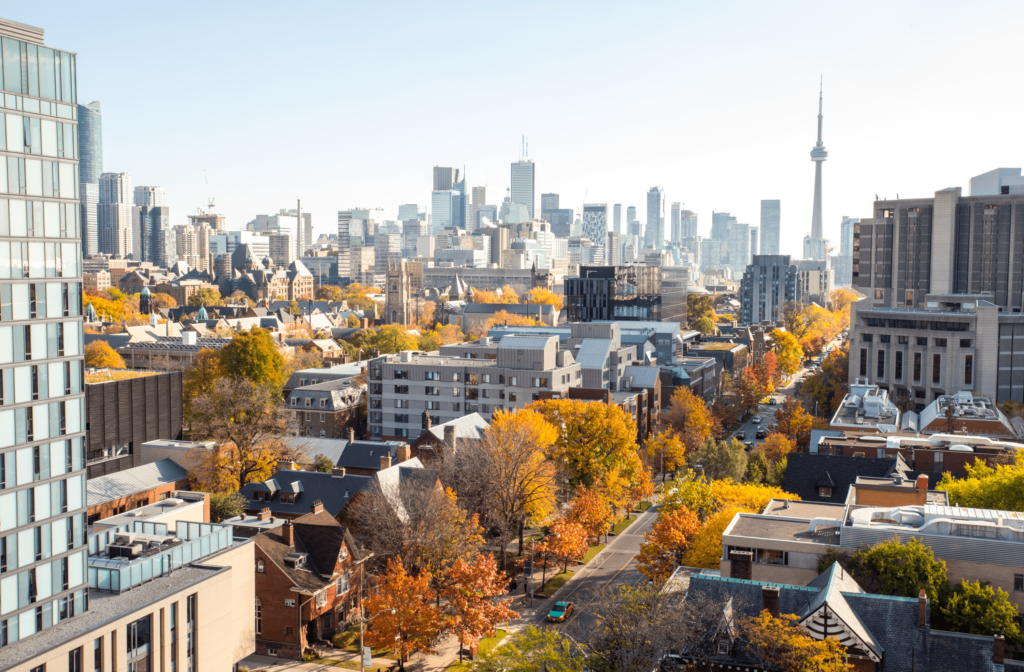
[
  {"x": 642, "y": 376},
  {"x": 334, "y": 491},
  {"x": 318, "y": 535},
  {"x": 132, "y": 481},
  {"x": 470, "y": 426},
  {"x": 805, "y": 471},
  {"x": 593, "y": 352}
]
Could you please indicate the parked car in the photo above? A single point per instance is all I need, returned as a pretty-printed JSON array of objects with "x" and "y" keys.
[
  {"x": 560, "y": 611},
  {"x": 749, "y": 445}
]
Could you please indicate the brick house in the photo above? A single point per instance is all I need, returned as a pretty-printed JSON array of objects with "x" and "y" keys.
[
  {"x": 329, "y": 409},
  {"x": 121, "y": 491},
  {"x": 308, "y": 576},
  {"x": 430, "y": 444}
]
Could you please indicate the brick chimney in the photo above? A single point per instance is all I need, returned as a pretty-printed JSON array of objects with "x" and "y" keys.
[
  {"x": 426, "y": 420},
  {"x": 338, "y": 472},
  {"x": 404, "y": 453},
  {"x": 317, "y": 507},
  {"x": 922, "y": 609},
  {"x": 288, "y": 532},
  {"x": 385, "y": 461},
  {"x": 264, "y": 514},
  {"x": 351, "y": 434},
  {"x": 449, "y": 437},
  {"x": 922, "y": 489},
  {"x": 998, "y": 649},
  {"x": 740, "y": 564},
  {"x": 770, "y": 600}
]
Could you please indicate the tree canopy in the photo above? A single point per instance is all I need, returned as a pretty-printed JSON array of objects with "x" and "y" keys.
[
  {"x": 666, "y": 544},
  {"x": 205, "y": 296},
  {"x": 1000, "y": 487},
  {"x": 721, "y": 459},
  {"x": 787, "y": 349},
  {"x": 690, "y": 418},
  {"x": 253, "y": 355},
  {"x": 978, "y": 608},
  {"x": 100, "y": 355}
]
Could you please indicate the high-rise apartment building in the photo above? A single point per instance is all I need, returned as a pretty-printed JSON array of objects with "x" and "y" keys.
[
  {"x": 523, "y": 181},
  {"x": 846, "y": 230},
  {"x": 114, "y": 214},
  {"x": 445, "y": 178},
  {"x": 192, "y": 244},
  {"x": 548, "y": 202},
  {"x": 90, "y": 144},
  {"x": 721, "y": 223},
  {"x": 771, "y": 218},
  {"x": 479, "y": 199},
  {"x": 655, "y": 231},
  {"x": 617, "y": 218},
  {"x": 151, "y": 196},
  {"x": 217, "y": 222},
  {"x": 675, "y": 233},
  {"x": 287, "y": 222},
  {"x": 43, "y": 530},
  {"x": 89, "y": 214},
  {"x": 754, "y": 241},
  {"x": 739, "y": 248},
  {"x": 595, "y": 227},
  {"x": 768, "y": 284}
]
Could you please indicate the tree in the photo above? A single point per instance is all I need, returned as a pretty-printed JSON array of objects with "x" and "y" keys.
[
  {"x": 699, "y": 306},
  {"x": 793, "y": 422},
  {"x": 329, "y": 293},
  {"x": 589, "y": 510},
  {"x": 787, "y": 349},
  {"x": 353, "y": 322},
  {"x": 393, "y": 338},
  {"x": 472, "y": 613},
  {"x": 775, "y": 447},
  {"x": 592, "y": 437},
  {"x": 566, "y": 543},
  {"x": 704, "y": 325},
  {"x": 690, "y": 418},
  {"x": 545, "y": 297},
  {"x": 407, "y": 620},
  {"x": 100, "y": 355},
  {"x": 160, "y": 301},
  {"x": 692, "y": 492},
  {"x": 756, "y": 381},
  {"x": 894, "y": 568},
  {"x": 506, "y": 295},
  {"x": 706, "y": 546},
  {"x": 205, "y": 296},
  {"x": 199, "y": 378},
  {"x": 752, "y": 497},
  {"x": 303, "y": 359},
  {"x": 830, "y": 385},
  {"x": 322, "y": 464},
  {"x": 841, "y": 300},
  {"x": 666, "y": 544},
  {"x": 721, "y": 459},
  {"x": 253, "y": 355},
  {"x": 664, "y": 452},
  {"x": 778, "y": 643},
  {"x": 530, "y": 650},
  {"x": 248, "y": 421},
  {"x": 503, "y": 317},
  {"x": 640, "y": 491},
  {"x": 293, "y": 307},
  {"x": 224, "y": 505},
  {"x": 1000, "y": 487},
  {"x": 634, "y": 629},
  {"x": 979, "y": 609}
]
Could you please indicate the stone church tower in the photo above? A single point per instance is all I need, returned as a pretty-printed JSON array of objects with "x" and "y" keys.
[{"x": 397, "y": 307}]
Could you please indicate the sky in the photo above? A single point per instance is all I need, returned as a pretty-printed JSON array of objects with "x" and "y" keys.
[{"x": 346, "y": 104}]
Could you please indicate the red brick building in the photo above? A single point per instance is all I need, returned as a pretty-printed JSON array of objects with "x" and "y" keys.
[
  {"x": 308, "y": 574},
  {"x": 122, "y": 491}
]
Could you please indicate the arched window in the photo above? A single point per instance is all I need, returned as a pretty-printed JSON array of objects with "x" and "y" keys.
[
  {"x": 394, "y": 287},
  {"x": 259, "y": 566}
]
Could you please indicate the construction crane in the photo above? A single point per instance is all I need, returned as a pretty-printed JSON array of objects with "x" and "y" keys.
[{"x": 209, "y": 201}]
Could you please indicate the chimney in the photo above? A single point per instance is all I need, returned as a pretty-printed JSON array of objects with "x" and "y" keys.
[
  {"x": 404, "y": 453},
  {"x": 998, "y": 649},
  {"x": 338, "y": 472},
  {"x": 288, "y": 532},
  {"x": 426, "y": 420},
  {"x": 922, "y": 483},
  {"x": 317, "y": 507},
  {"x": 740, "y": 567},
  {"x": 351, "y": 434},
  {"x": 449, "y": 438},
  {"x": 770, "y": 600},
  {"x": 385, "y": 461},
  {"x": 922, "y": 610},
  {"x": 264, "y": 514}
]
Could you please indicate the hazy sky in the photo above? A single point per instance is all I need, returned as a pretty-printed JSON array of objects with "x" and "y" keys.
[{"x": 350, "y": 104}]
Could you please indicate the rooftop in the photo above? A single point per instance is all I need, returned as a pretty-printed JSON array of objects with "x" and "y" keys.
[
  {"x": 866, "y": 406},
  {"x": 169, "y": 509},
  {"x": 107, "y": 375},
  {"x": 796, "y": 509},
  {"x": 716, "y": 346},
  {"x": 128, "y": 482},
  {"x": 783, "y": 529}
]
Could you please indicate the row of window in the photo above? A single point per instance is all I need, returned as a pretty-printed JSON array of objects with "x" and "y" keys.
[
  {"x": 918, "y": 340},
  {"x": 39, "y": 463},
  {"x": 35, "y": 177},
  {"x": 44, "y": 421},
  {"x": 33, "y": 135},
  {"x": 39, "y": 71},
  {"x": 39, "y": 219},
  {"x": 42, "y": 581},
  {"x": 308, "y": 402},
  {"x": 435, "y": 391},
  {"x": 41, "y": 502},
  {"x": 39, "y": 543},
  {"x": 44, "y": 616},
  {"x": 936, "y": 376},
  {"x": 31, "y": 342},
  {"x": 23, "y": 384}
]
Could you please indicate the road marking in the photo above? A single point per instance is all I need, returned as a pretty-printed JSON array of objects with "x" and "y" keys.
[{"x": 575, "y": 612}]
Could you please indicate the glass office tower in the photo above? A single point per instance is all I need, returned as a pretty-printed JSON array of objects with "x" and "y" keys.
[{"x": 42, "y": 468}]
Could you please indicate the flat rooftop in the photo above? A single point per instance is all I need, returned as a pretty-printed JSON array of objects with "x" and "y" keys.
[
  {"x": 808, "y": 510},
  {"x": 151, "y": 512},
  {"x": 783, "y": 530}
]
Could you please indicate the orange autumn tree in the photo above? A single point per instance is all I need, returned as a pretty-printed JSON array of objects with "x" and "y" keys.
[
  {"x": 503, "y": 317},
  {"x": 507, "y": 295},
  {"x": 776, "y": 447},
  {"x": 643, "y": 489},
  {"x": 468, "y": 600},
  {"x": 666, "y": 544},
  {"x": 545, "y": 297},
  {"x": 780, "y": 644},
  {"x": 665, "y": 449},
  {"x": 406, "y": 619},
  {"x": 100, "y": 355},
  {"x": 690, "y": 418},
  {"x": 706, "y": 546},
  {"x": 566, "y": 543},
  {"x": 589, "y": 510}
]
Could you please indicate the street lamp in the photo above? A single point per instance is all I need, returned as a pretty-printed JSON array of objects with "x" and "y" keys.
[{"x": 361, "y": 622}]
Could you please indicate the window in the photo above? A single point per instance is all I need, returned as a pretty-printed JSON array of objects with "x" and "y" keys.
[
  {"x": 323, "y": 403},
  {"x": 881, "y": 364},
  {"x": 511, "y": 396},
  {"x": 432, "y": 391},
  {"x": 455, "y": 391},
  {"x": 472, "y": 379},
  {"x": 940, "y": 342},
  {"x": 295, "y": 401},
  {"x": 917, "y": 366},
  {"x": 401, "y": 389},
  {"x": 824, "y": 491},
  {"x": 431, "y": 375},
  {"x": 97, "y": 651},
  {"x": 75, "y": 660},
  {"x": 1018, "y": 582},
  {"x": 863, "y": 362},
  {"x": 401, "y": 403},
  {"x": 259, "y": 616},
  {"x": 936, "y": 367},
  {"x": 884, "y": 338},
  {"x": 289, "y": 602},
  {"x": 342, "y": 584},
  {"x": 878, "y": 294},
  {"x": 308, "y": 401},
  {"x": 433, "y": 405},
  {"x": 898, "y": 373},
  {"x": 903, "y": 340},
  {"x": 307, "y": 416},
  {"x": 455, "y": 377},
  {"x": 512, "y": 381},
  {"x": 770, "y": 557},
  {"x": 138, "y": 641},
  {"x": 343, "y": 554},
  {"x": 867, "y": 338},
  {"x": 487, "y": 378},
  {"x": 922, "y": 340},
  {"x": 259, "y": 567},
  {"x": 965, "y": 342},
  {"x": 401, "y": 375},
  {"x": 190, "y": 632},
  {"x": 968, "y": 369},
  {"x": 287, "y": 498},
  {"x": 723, "y": 648}
]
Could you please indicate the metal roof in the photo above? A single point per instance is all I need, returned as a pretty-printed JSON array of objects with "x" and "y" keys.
[
  {"x": 523, "y": 342},
  {"x": 107, "y": 488},
  {"x": 642, "y": 376},
  {"x": 593, "y": 353}
]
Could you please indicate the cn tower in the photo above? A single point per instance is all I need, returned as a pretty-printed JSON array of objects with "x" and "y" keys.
[{"x": 818, "y": 156}]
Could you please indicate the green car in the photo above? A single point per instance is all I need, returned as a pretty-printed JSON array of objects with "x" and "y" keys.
[{"x": 561, "y": 610}]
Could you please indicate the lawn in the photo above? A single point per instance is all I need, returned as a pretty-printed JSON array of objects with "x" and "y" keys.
[
  {"x": 349, "y": 641},
  {"x": 645, "y": 505},
  {"x": 591, "y": 553},
  {"x": 621, "y": 526},
  {"x": 555, "y": 582},
  {"x": 487, "y": 644},
  {"x": 346, "y": 664}
]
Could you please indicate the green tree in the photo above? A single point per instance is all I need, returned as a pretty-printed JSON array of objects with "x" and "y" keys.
[
  {"x": 757, "y": 469},
  {"x": 226, "y": 505},
  {"x": 979, "y": 609},
  {"x": 322, "y": 464},
  {"x": 721, "y": 459},
  {"x": 704, "y": 325},
  {"x": 530, "y": 650},
  {"x": 692, "y": 492},
  {"x": 894, "y": 568},
  {"x": 787, "y": 348},
  {"x": 206, "y": 296},
  {"x": 293, "y": 307},
  {"x": 1000, "y": 488},
  {"x": 253, "y": 355}
]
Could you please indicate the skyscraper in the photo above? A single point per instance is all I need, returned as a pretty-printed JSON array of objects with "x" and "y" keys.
[
  {"x": 442, "y": 204},
  {"x": 548, "y": 202},
  {"x": 44, "y": 497},
  {"x": 818, "y": 156},
  {"x": 479, "y": 198},
  {"x": 771, "y": 218},
  {"x": 151, "y": 222},
  {"x": 445, "y": 178},
  {"x": 655, "y": 231},
  {"x": 523, "y": 180},
  {"x": 595, "y": 226},
  {"x": 114, "y": 214},
  {"x": 460, "y": 204},
  {"x": 688, "y": 224},
  {"x": 617, "y": 218},
  {"x": 90, "y": 143},
  {"x": 846, "y": 236},
  {"x": 721, "y": 223},
  {"x": 753, "y": 241},
  {"x": 739, "y": 248},
  {"x": 151, "y": 196}
]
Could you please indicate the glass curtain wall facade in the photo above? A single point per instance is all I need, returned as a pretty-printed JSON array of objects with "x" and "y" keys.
[
  {"x": 523, "y": 182},
  {"x": 42, "y": 466}
]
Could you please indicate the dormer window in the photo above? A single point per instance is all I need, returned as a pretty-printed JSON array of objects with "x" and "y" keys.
[
  {"x": 287, "y": 498},
  {"x": 309, "y": 402},
  {"x": 295, "y": 401},
  {"x": 824, "y": 491},
  {"x": 344, "y": 553}
]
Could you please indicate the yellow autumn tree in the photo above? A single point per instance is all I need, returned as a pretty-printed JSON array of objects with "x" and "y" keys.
[
  {"x": 780, "y": 644},
  {"x": 100, "y": 355},
  {"x": 706, "y": 546},
  {"x": 545, "y": 297},
  {"x": 754, "y": 497},
  {"x": 690, "y": 418},
  {"x": 666, "y": 544},
  {"x": 665, "y": 452}
]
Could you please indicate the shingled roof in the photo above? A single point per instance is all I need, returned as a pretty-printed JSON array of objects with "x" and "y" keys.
[
  {"x": 805, "y": 472},
  {"x": 318, "y": 535}
]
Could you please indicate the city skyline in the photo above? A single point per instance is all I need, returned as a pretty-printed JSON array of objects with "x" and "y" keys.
[{"x": 777, "y": 89}]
